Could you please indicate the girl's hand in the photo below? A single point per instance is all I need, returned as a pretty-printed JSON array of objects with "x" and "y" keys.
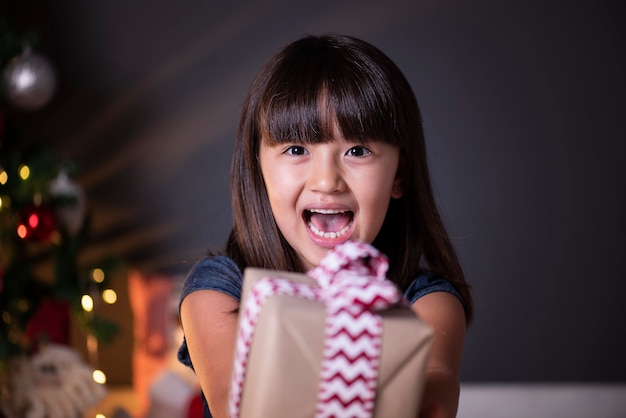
[
  {"x": 444, "y": 313},
  {"x": 431, "y": 411},
  {"x": 440, "y": 397},
  {"x": 209, "y": 319}
]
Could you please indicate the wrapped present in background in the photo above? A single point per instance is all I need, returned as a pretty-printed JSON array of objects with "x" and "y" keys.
[{"x": 292, "y": 335}]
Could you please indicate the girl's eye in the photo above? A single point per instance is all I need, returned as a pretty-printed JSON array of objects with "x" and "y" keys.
[
  {"x": 358, "y": 151},
  {"x": 296, "y": 150}
]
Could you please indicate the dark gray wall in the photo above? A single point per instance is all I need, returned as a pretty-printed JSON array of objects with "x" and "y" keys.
[{"x": 523, "y": 105}]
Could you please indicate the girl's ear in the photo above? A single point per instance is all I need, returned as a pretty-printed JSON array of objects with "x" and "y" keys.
[{"x": 397, "y": 190}]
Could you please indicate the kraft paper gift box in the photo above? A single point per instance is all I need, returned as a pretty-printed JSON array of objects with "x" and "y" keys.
[{"x": 283, "y": 370}]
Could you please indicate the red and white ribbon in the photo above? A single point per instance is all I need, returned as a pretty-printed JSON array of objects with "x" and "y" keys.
[
  {"x": 352, "y": 286},
  {"x": 258, "y": 294}
]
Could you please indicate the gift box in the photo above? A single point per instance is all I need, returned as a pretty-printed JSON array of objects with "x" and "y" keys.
[{"x": 287, "y": 349}]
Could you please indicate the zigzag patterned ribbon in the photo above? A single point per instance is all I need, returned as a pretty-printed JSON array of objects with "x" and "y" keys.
[
  {"x": 258, "y": 294},
  {"x": 352, "y": 287}
]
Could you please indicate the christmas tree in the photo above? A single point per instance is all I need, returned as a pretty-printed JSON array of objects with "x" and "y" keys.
[{"x": 44, "y": 224}]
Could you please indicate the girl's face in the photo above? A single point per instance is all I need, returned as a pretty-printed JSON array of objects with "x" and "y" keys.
[{"x": 324, "y": 194}]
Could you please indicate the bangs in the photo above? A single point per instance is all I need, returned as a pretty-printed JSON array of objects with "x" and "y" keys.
[{"x": 315, "y": 88}]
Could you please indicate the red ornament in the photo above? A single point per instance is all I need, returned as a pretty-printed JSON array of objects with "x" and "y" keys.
[
  {"x": 50, "y": 323},
  {"x": 195, "y": 408},
  {"x": 37, "y": 223}
]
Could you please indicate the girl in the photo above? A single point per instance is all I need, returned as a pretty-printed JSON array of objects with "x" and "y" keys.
[{"x": 330, "y": 147}]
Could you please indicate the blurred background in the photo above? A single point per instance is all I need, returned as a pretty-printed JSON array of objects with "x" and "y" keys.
[{"x": 523, "y": 106}]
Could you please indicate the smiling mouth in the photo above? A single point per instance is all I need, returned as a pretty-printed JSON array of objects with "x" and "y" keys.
[{"x": 329, "y": 223}]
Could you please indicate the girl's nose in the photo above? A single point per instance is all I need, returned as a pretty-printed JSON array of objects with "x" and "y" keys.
[{"x": 325, "y": 176}]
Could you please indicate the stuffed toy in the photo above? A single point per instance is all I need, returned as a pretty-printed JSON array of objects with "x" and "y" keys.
[{"x": 54, "y": 383}]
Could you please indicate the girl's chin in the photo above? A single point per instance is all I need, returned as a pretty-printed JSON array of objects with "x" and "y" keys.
[{"x": 312, "y": 257}]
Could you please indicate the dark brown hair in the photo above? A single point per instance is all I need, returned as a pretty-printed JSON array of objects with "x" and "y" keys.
[{"x": 370, "y": 99}]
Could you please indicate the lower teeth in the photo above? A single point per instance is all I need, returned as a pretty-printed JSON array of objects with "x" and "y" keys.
[{"x": 329, "y": 234}]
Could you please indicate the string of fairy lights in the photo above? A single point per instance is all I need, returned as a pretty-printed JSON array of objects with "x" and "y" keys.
[
  {"x": 43, "y": 221},
  {"x": 37, "y": 225}
]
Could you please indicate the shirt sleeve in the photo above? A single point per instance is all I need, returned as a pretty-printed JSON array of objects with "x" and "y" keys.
[
  {"x": 212, "y": 273},
  {"x": 429, "y": 282}
]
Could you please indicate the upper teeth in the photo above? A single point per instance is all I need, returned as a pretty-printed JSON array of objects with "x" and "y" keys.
[{"x": 326, "y": 211}]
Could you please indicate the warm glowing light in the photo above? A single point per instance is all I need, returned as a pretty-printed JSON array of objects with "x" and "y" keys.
[
  {"x": 6, "y": 317},
  {"x": 92, "y": 344},
  {"x": 99, "y": 377},
  {"x": 0, "y": 202},
  {"x": 23, "y": 305},
  {"x": 87, "y": 303},
  {"x": 24, "y": 172},
  {"x": 97, "y": 275},
  {"x": 33, "y": 220},
  {"x": 22, "y": 231},
  {"x": 101, "y": 416},
  {"x": 109, "y": 296},
  {"x": 4, "y": 177}
]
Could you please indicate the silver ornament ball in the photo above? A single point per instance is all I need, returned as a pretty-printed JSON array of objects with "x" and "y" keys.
[
  {"x": 29, "y": 81},
  {"x": 71, "y": 216}
]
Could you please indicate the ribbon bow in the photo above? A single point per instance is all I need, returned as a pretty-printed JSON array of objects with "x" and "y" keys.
[{"x": 352, "y": 286}]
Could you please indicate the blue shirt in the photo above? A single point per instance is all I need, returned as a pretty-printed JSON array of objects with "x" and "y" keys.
[{"x": 222, "y": 274}]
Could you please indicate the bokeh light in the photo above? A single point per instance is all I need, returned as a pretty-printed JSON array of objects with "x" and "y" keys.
[
  {"x": 97, "y": 275},
  {"x": 109, "y": 296},
  {"x": 99, "y": 377},
  {"x": 87, "y": 303},
  {"x": 24, "y": 172},
  {"x": 22, "y": 231}
]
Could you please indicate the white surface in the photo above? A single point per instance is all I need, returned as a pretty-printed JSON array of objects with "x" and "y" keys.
[{"x": 542, "y": 401}]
